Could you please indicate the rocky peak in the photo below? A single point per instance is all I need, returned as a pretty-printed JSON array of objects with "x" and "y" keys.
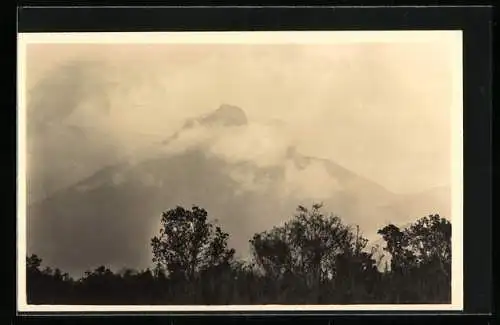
[{"x": 226, "y": 115}]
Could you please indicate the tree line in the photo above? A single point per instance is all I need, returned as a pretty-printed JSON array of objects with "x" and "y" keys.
[{"x": 313, "y": 258}]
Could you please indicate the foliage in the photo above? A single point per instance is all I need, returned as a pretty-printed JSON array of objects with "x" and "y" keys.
[
  {"x": 188, "y": 243},
  {"x": 315, "y": 250},
  {"x": 421, "y": 252},
  {"x": 313, "y": 258}
]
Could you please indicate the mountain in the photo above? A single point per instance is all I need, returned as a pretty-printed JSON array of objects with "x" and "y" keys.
[
  {"x": 225, "y": 115},
  {"x": 62, "y": 156},
  {"x": 60, "y": 149},
  {"x": 109, "y": 218}
]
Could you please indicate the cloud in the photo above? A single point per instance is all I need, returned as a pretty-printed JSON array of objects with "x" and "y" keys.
[
  {"x": 312, "y": 181},
  {"x": 127, "y": 99},
  {"x": 258, "y": 153},
  {"x": 149, "y": 89},
  {"x": 118, "y": 179},
  {"x": 262, "y": 144},
  {"x": 249, "y": 181},
  {"x": 188, "y": 139}
]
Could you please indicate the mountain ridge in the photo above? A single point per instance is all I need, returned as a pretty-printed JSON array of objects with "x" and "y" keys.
[{"x": 109, "y": 217}]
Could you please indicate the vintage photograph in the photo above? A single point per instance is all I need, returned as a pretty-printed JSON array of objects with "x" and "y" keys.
[{"x": 240, "y": 169}]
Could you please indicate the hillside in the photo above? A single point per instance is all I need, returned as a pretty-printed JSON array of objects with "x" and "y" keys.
[{"x": 109, "y": 217}]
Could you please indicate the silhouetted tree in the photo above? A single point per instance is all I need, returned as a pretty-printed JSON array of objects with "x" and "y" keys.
[
  {"x": 429, "y": 239},
  {"x": 311, "y": 248},
  {"x": 311, "y": 259},
  {"x": 189, "y": 243},
  {"x": 420, "y": 259},
  {"x": 402, "y": 258},
  {"x": 33, "y": 263}
]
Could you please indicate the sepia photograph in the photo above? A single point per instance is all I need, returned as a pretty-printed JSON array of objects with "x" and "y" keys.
[{"x": 240, "y": 171}]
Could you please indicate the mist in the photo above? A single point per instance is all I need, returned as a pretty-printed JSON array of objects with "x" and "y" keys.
[
  {"x": 342, "y": 102},
  {"x": 380, "y": 110}
]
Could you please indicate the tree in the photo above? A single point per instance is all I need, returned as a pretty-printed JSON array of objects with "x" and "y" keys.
[
  {"x": 311, "y": 259},
  {"x": 420, "y": 259},
  {"x": 402, "y": 258},
  {"x": 188, "y": 243},
  {"x": 426, "y": 241},
  {"x": 312, "y": 246},
  {"x": 430, "y": 242},
  {"x": 33, "y": 262}
]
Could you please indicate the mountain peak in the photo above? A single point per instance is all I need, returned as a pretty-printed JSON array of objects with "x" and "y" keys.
[{"x": 227, "y": 115}]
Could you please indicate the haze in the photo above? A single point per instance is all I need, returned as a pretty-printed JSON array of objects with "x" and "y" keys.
[
  {"x": 382, "y": 110},
  {"x": 375, "y": 119}
]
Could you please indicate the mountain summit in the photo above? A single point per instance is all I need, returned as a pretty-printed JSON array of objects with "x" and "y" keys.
[
  {"x": 124, "y": 201},
  {"x": 225, "y": 115}
]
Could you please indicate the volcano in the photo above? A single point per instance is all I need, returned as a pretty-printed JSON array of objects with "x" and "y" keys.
[{"x": 110, "y": 217}]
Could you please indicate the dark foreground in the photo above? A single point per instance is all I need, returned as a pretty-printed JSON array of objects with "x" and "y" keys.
[
  {"x": 102, "y": 287},
  {"x": 312, "y": 259}
]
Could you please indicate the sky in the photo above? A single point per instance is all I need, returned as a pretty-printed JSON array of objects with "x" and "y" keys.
[{"x": 380, "y": 109}]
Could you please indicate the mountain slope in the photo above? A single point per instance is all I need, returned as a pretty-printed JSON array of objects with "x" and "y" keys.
[{"x": 110, "y": 217}]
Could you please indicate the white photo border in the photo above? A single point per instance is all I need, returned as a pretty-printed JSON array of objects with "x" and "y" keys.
[{"x": 454, "y": 39}]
